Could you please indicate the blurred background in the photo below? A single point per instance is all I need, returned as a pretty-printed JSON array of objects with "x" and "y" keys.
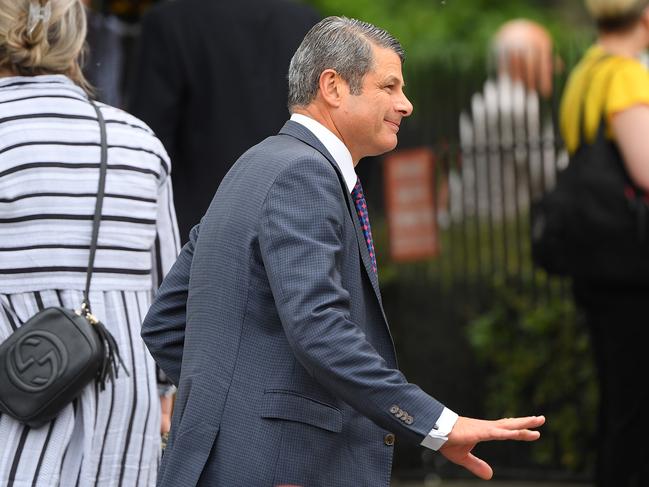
[{"x": 474, "y": 322}]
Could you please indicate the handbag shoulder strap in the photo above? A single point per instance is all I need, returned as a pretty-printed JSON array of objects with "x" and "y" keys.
[
  {"x": 112, "y": 358},
  {"x": 98, "y": 206},
  {"x": 600, "y": 134},
  {"x": 586, "y": 92}
]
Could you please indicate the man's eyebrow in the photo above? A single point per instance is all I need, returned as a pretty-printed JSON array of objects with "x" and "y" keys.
[{"x": 391, "y": 79}]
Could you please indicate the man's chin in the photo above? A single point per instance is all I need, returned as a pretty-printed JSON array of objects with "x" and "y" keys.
[
  {"x": 384, "y": 148},
  {"x": 392, "y": 145}
]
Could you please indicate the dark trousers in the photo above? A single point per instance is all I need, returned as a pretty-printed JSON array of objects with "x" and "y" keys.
[{"x": 617, "y": 317}]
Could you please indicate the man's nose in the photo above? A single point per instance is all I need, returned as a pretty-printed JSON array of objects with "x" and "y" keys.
[{"x": 404, "y": 106}]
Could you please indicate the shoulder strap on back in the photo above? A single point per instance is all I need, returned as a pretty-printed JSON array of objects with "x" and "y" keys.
[{"x": 586, "y": 92}]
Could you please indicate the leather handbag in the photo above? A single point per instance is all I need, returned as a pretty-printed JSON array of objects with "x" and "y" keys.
[
  {"x": 54, "y": 355},
  {"x": 593, "y": 223}
]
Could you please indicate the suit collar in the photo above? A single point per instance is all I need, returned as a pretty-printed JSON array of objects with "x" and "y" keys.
[
  {"x": 303, "y": 134},
  {"x": 334, "y": 145}
]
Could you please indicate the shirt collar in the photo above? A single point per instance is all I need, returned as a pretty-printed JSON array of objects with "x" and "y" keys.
[
  {"x": 42, "y": 81},
  {"x": 334, "y": 145}
]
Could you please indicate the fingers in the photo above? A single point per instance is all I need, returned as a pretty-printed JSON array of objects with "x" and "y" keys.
[
  {"x": 470, "y": 431},
  {"x": 517, "y": 428},
  {"x": 521, "y": 423},
  {"x": 477, "y": 466},
  {"x": 165, "y": 423},
  {"x": 519, "y": 435}
]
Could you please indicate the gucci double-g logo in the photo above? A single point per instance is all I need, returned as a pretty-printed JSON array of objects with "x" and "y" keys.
[{"x": 36, "y": 360}]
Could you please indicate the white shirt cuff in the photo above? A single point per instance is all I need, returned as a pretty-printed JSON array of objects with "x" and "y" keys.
[{"x": 439, "y": 434}]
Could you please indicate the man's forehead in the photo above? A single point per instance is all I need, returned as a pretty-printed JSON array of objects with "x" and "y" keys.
[
  {"x": 386, "y": 59},
  {"x": 388, "y": 72}
]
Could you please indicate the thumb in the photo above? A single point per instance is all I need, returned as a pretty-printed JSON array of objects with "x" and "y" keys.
[{"x": 477, "y": 466}]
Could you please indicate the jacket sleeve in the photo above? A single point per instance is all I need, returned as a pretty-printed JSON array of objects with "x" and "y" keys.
[
  {"x": 163, "y": 329},
  {"x": 167, "y": 240},
  {"x": 301, "y": 240}
]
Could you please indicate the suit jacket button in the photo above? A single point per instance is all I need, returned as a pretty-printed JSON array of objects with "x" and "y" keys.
[
  {"x": 389, "y": 439},
  {"x": 409, "y": 420},
  {"x": 394, "y": 409},
  {"x": 400, "y": 414}
]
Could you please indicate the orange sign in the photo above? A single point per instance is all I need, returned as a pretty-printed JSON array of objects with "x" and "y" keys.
[{"x": 410, "y": 204}]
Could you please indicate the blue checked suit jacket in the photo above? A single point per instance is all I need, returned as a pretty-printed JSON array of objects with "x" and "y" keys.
[{"x": 271, "y": 324}]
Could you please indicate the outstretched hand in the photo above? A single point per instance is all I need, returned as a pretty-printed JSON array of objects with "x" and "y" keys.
[{"x": 468, "y": 432}]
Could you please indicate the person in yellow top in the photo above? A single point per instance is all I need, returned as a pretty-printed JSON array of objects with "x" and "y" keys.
[
  {"x": 616, "y": 88},
  {"x": 605, "y": 106}
]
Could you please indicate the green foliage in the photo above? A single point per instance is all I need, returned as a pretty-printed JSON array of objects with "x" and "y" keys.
[
  {"x": 527, "y": 351},
  {"x": 455, "y": 32},
  {"x": 539, "y": 361}
]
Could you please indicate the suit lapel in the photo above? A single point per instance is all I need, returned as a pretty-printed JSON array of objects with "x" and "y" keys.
[{"x": 303, "y": 134}]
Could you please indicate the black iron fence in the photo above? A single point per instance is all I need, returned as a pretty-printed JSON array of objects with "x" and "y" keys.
[
  {"x": 479, "y": 324},
  {"x": 497, "y": 148}
]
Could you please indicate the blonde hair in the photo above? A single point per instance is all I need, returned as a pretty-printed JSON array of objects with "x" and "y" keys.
[
  {"x": 616, "y": 10},
  {"x": 51, "y": 46}
]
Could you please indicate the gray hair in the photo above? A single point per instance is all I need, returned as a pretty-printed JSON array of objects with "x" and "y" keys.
[{"x": 341, "y": 44}]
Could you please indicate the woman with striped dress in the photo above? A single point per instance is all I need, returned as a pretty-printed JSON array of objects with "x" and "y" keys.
[{"x": 49, "y": 170}]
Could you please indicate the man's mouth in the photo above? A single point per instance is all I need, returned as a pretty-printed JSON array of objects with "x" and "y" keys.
[{"x": 394, "y": 125}]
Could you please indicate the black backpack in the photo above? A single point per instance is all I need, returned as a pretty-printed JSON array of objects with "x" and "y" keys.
[{"x": 593, "y": 223}]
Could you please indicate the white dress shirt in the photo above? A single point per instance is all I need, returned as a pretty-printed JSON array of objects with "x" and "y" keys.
[{"x": 343, "y": 158}]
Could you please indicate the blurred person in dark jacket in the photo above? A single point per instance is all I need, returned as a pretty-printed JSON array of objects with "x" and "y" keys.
[
  {"x": 104, "y": 62},
  {"x": 211, "y": 82}
]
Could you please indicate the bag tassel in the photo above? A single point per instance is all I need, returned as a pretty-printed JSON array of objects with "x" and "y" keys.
[{"x": 109, "y": 369}]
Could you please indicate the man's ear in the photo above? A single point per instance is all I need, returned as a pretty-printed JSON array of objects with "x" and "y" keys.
[{"x": 331, "y": 87}]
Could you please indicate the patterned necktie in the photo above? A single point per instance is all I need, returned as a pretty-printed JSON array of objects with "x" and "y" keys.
[{"x": 364, "y": 219}]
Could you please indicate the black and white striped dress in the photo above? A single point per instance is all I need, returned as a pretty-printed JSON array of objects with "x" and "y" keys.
[{"x": 49, "y": 168}]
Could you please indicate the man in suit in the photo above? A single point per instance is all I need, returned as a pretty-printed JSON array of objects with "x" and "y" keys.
[
  {"x": 271, "y": 321},
  {"x": 211, "y": 81}
]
